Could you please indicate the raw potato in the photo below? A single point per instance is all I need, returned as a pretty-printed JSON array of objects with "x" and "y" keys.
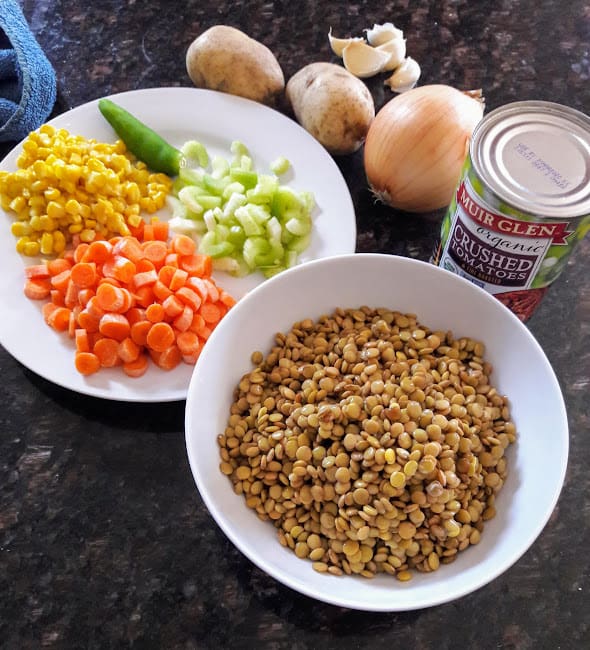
[
  {"x": 333, "y": 105},
  {"x": 224, "y": 58}
]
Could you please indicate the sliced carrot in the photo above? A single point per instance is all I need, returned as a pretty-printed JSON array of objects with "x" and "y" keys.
[
  {"x": 139, "y": 332},
  {"x": 37, "y": 271},
  {"x": 155, "y": 312},
  {"x": 160, "y": 229},
  {"x": 110, "y": 298},
  {"x": 191, "y": 359},
  {"x": 196, "y": 264},
  {"x": 228, "y": 300},
  {"x": 188, "y": 343},
  {"x": 115, "y": 326},
  {"x": 84, "y": 296},
  {"x": 98, "y": 251},
  {"x": 160, "y": 337},
  {"x": 107, "y": 350},
  {"x": 94, "y": 308},
  {"x": 205, "y": 332},
  {"x": 183, "y": 245},
  {"x": 128, "y": 350},
  {"x": 82, "y": 340},
  {"x": 37, "y": 288},
  {"x": 167, "y": 359},
  {"x": 57, "y": 298},
  {"x": 123, "y": 269},
  {"x": 60, "y": 281},
  {"x": 71, "y": 295},
  {"x": 165, "y": 274},
  {"x": 130, "y": 248},
  {"x": 128, "y": 300},
  {"x": 183, "y": 321},
  {"x": 136, "y": 368},
  {"x": 135, "y": 315},
  {"x": 197, "y": 324},
  {"x": 80, "y": 250},
  {"x": 189, "y": 297},
  {"x": 59, "y": 264},
  {"x": 148, "y": 232},
  {"x": 144, "y": 296},
  {"x": 88, "y": 321},
  {"x": 178, "y": 279},
  {"x": 59, "y": 319},
  {"x": 144, "y": 265},
  {"x": 199, "y": 285},
  {"x": 172, "y": 260},
  {"x": 47, "y": 309},
  {"x": 145, "y": 278},
  {"x": 212, "y": 290},
  {"x": 161, "y": 291},
  {"x": 210, "y": 313},
  {"x": 87, "y": 363},
  {"x": 173, "y": 306},
  {"x": 84, "y": 274},
  {"x": 155, "y": 251}
]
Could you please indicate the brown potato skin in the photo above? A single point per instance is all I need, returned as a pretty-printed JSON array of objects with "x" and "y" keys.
[
  {"x": 333, "y": 105},
  {"x": 226, "y": 59}
]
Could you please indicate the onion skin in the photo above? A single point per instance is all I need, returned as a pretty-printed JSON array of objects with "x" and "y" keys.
[{"x": 417, "y": 144}]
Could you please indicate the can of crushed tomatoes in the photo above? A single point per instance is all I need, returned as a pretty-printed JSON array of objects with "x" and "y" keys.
[{"x": 522, "y": 203}]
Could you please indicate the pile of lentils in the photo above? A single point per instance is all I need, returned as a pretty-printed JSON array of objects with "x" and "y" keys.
[{"x": 372, "y": 443}]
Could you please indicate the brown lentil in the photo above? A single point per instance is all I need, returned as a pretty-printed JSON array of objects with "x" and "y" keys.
[{"x": 373, "y": 444}]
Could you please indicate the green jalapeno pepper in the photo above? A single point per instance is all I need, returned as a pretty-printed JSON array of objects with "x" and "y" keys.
[{"x": 143, "y": 142}]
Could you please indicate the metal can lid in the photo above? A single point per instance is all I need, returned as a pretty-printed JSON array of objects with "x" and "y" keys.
[{"x": 535, "y": 156}]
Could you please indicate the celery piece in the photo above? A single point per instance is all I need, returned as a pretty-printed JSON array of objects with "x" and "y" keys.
[
  {"x": 190, "y": 176},
  {"x": 209, "y": 245},
  {"x": 247, "y": 178},
  {"x": 233, "y": 187},
  {"x": 215, "y": 185},
  {"x": 189, "y": 195},
  {"x": 193, "y": 150},
  {"x": 207, "y": 202},
  {"x": 265, "y": 189},
  {"x": 210, "y": 220},
  {"x": 256, "y": 252},
  {"x": 299, "y": 244},
  {"x": 233, "y": 265},
  {"x": 184, "y": 226},
  {"x": 219, "y": 167},
  {"x": 236, "y": 236},
  {"x": 233, "y": 203},
  {"x": 238, "y": 148},
  {"x": 178, "y": 208},
  {"x": 286, "y": 203},
  {"x": 291, "y": 258},
  {"x": 280, "y": 166},
  {"x": 298, "y": 227},
  {"x": 249, "y": 224}
]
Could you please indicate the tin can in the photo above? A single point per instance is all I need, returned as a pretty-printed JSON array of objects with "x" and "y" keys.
[{"x": 522, "y": 203}]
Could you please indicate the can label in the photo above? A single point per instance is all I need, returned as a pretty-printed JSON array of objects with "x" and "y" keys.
[{"x": 504, "y": 255}]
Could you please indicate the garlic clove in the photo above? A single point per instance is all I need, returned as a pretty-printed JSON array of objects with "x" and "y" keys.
[
  {"x": 405, "y": 77},
  {"x": 362, "y": 60},
  {"x": 380, "y": 34},
  {"x": 338, "y": 44},
  {"x": 396, "y": 48}
]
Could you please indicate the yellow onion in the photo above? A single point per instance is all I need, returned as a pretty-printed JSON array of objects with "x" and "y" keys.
[{"x": 416, "y": 146}]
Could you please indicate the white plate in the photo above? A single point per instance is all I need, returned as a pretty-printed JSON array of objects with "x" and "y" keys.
[{"x": 178, "y": 114}]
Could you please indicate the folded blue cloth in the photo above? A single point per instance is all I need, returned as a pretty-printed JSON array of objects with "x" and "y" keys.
[{"x": 27, "y": 80}]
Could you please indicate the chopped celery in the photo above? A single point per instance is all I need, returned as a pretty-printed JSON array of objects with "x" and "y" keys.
[{"x": 245, "y": 220}]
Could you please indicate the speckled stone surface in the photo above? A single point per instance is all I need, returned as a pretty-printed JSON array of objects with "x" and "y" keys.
[{"x": 104, "y": 541}]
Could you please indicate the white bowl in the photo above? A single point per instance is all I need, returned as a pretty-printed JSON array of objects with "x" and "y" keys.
[{"x": 441, "y": 300}]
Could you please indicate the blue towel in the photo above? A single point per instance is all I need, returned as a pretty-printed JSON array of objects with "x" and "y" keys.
[{"x": 27, "y": 80}]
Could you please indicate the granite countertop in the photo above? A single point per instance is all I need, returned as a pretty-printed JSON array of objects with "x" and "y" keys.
[{"x": 104, "y": 540}]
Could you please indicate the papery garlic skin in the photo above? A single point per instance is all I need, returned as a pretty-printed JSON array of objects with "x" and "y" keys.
[{"x": 405, "y": 76}]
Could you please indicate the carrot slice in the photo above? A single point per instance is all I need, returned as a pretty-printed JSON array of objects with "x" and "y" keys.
[
  {"x": 60, "y": 281},
  {"x": 82, "y": 340},
  {"x": 167, "y": 359},
  {"x": 156, "y": 252},
  {"x": 165, "y": 274},
  {"x": 88, "y": 321},
  {"x": 188, "y": 343},
  {"x": 115, "y": 326},
  {"x": 197, "y": 264},
  {"x": 59, "y": 264},
  {"x": 139, "y": 332},
  {"x": 160, "y": 337},
  {"x": 178, "y": 279},
  {"x": 87, "y": 363},
  {"x": 136, "y": 368},
  {"x": 172, "y": 306},
  {"x": 212, "y": 290},
  {"x": 128, "y": 350},
  {"x": 80, "y": 250},
  {"x": 107, "y": 350},
  {"x": 160, "y": 230},
  {"x": 84, "y": 274},
  {"x": 130, "y": 248},
  {"x": 47, "y": 309},
  {"x": 84, "y": 296},
  {"x": 144, "y": 265},
  {"x": 145, "y": 278},
  {"x": 155, "y": 312},
  {"x": 37, "y": 271},
  {"x": 210, "y": 313},
  {"x": 144, "y": 296},
  {"x": 161, "y": 291},
  {"x": 228, "y": 300},
  {"x": 110, "y": 298},
  {"x": 59, "y": 319},
  {"x": 183, "y": 245},
  {"x": 123, "y": 269},
  {"x": 189, "y": 297},
  {"x": 98, "y": 252},
  {"x": 135, "y": 315},
  {"x": 37, "y": 288},
  {"x": 148, "y": 232},
  {"x": 183, "y": 321},
  {"x": 57, "y": 298},
  {"x": 71, "y": 295}
]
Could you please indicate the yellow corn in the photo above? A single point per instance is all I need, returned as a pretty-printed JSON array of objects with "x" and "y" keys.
[{"x": 67, "y": 185}]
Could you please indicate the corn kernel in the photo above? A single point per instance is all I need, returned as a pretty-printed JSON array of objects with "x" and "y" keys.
[
  {"x": 87, "y": 235},
  {"x": 46, "y": 243},
  {"x": 72, "y": 207},
  {"x": 55, "y": 210},
  {"x": 35, "y": 223},
  {"x": 52, "y": 194},
  {"x": 20, "y": 228},
  {"x": 17, "y": 204},
  {"x": 134, "y": 220},
  {"x": 47, "y": 223},
  {"x": 31, "y": 248},
  {"x": 59, "y": 241}
]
